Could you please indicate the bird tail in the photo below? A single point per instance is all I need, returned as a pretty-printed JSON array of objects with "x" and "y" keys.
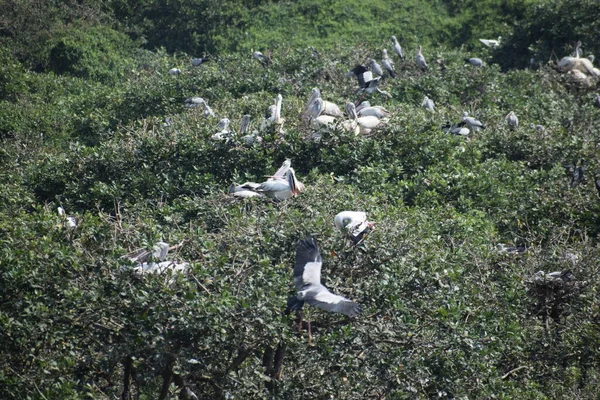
[
  {"x": 392, "y": 73},
  {"x": 293, "y": 304}
]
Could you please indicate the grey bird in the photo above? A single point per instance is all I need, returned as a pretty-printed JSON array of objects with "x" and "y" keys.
[
  {"x": 597, "y": 100},
  {"x": 473, "y": 123},
  {"x": 307, "y": 278},
  {"x": 420, "y": 59},
  {"x": 397, "y": 49},
  {"x": 512, "y": 120},
  {"x": 388, "y": 64},
  {"x": 376, "y": 68},
  {"x": 365, "y": 80},
  {"x": 196, "y": 62},
  {"x": 477, "y": 62},
  {"x": 428, "y": 104}
]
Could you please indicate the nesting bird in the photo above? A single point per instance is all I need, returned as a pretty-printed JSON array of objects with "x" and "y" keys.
[
  {"x": 174, "y": 71},
  {"x": 491, "y": 42},
  {"x": 159, "y": 252},
  {"x": 70, "y": 221},
  {"x": 196, "y": 62},
  {"x": 223, "y": 131},
  {"x": 477, "y": 62},
  {"x": 365, "y": 124},
  {"x": 388, "y": 64},
  {"x": 261, "y": 58},
  {"x": 473, "y": 123}
]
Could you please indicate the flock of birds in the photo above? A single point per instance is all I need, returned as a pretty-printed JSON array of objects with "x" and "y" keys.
[{"x": 360, "y": 118}]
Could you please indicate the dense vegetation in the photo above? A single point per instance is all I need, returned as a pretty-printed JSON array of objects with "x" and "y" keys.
[{"x": 84, "y": 94}]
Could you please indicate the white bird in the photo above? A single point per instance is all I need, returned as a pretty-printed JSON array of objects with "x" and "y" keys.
[
  {"x": 577, "y": 52},
  {"x": 397, "y": 48},
  {"x": 591, "y": 58},
  {"x": 314, "y": 108},
  {"x": 307, "y": 279},
  {"x": 376, "y": 68},
  {"x": 428, "y": 104},
  {"x": 473, "y": 123},
  {"x": 283, "y": 185},
  {"x": 70, "y": 221},
  {"x": 223, "y": 131},
  {"x": 375, "y": 111},
  {"x": 365, "y": 124},
  {"x": 174, "y": 71},
  {"x": 353, "y": 223},
  {"x": 159, "y": 252},
  {"x": 458, "y": 129},
  {"x": 512, "y": 120},
  {"x": 477, "y": 62},
  {"x": 491, "y": 42},
  {"x": 388, "y": 64},
  {"x": 420, "y": 59}
]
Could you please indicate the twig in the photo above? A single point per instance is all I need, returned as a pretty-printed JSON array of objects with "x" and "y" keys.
[{"x": 513, "y": 371}]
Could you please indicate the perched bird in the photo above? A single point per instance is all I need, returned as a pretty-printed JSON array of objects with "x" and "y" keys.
[
  {"x": 364, "y": 124},
  {"x": 262, "y": 59},
  {"x": 196, "y": 62},
  {"x": 597, "y": 183},
  {"x": 314, "y": 108},
  {"x": 388, "y": 64},
  {"x": 70, "y": 221},
  {"x": 283, "y": 185},
  {"x": 307, "y": 278},
  {"x": 491, "y": 42},
  {"x": 245, "y": 190},
  {"x": 512, "y": 120},
  {"x": 538, "y": 128},
  {"x": 597, "y": 100},
  {"x": 421, "y": 60},
  {"x": 511, "y": 249},
  {"x": 159, "y": 252},
  {"x": 376, "y": 68},
  {"x": 477, "y": 62},
  {"x": 472, "y": 123},
  {"x": 556, "y": 276},
  {"x": 223, "y": 131},
  {"x": 193, "y": 102},
  {"x": 458, "y": 129},
  {"x": 397, "y": 48},
  {"x": 365, "y": 109},
  {"x": 428, "y": 104},
  {"x": 248, "y": 138},
  {"x": 174, "y": 71},
  {"x": 353, "y": 223},
  {"x": 578, "y": 175}
]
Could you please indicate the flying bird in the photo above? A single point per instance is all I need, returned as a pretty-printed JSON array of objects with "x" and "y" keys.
[
  {"x": 307, "y": 278},
  {"x": 353, "y": 223},
  {"x": 491, "y": 42}
]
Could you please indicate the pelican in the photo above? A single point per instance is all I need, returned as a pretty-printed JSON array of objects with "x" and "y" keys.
[
  {"x": 307, "y": 278},
  {"x": 314, "y": 108},
  {"x": 276, "y": 117},
  {"x": 491, "y": 42},
  {"x": 365, "y": 124},
  {"x": 70, "y": 221},
  {"x": 196, "y": 62},
  {"x": 376, "y": 68},
  {"x": 249, "y": 138},
  {"x": 353, "y": 223},
  {"x": 591, "y": 58},
  {"x": 397, "y": 48},
  {"x": 223, "y": 131},
  {"x": 428, "y": 104},
  {"x": 477, "y": 62},
  {"x": 174, "y": 71},
  {"x": 577, "y": 52},
  {"x": 283, "y": 184},
  {"x": 245, "y": 190},
  {"x": 597, "y": 100},
  {"x": 512, "y": 120},
  {"x": 192, "y": 102},
  {"x": 421, "y": 60},
  {"x": 376, "y": 111},
  {"x": 159, "y": 252},
  {"x": 457, "y": 129},
  {"x": 473, "y": 123},
  {"x": 388, "y": 64}
]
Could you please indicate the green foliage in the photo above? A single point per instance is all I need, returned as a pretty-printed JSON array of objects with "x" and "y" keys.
[{"x": 445, "y": 314}]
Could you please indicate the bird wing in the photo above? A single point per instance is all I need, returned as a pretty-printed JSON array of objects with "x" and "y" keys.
[
  {"x": 276, "y": 185},
  {"x": 328, "y": 301},
  {"x": 307, "y": 270}
]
